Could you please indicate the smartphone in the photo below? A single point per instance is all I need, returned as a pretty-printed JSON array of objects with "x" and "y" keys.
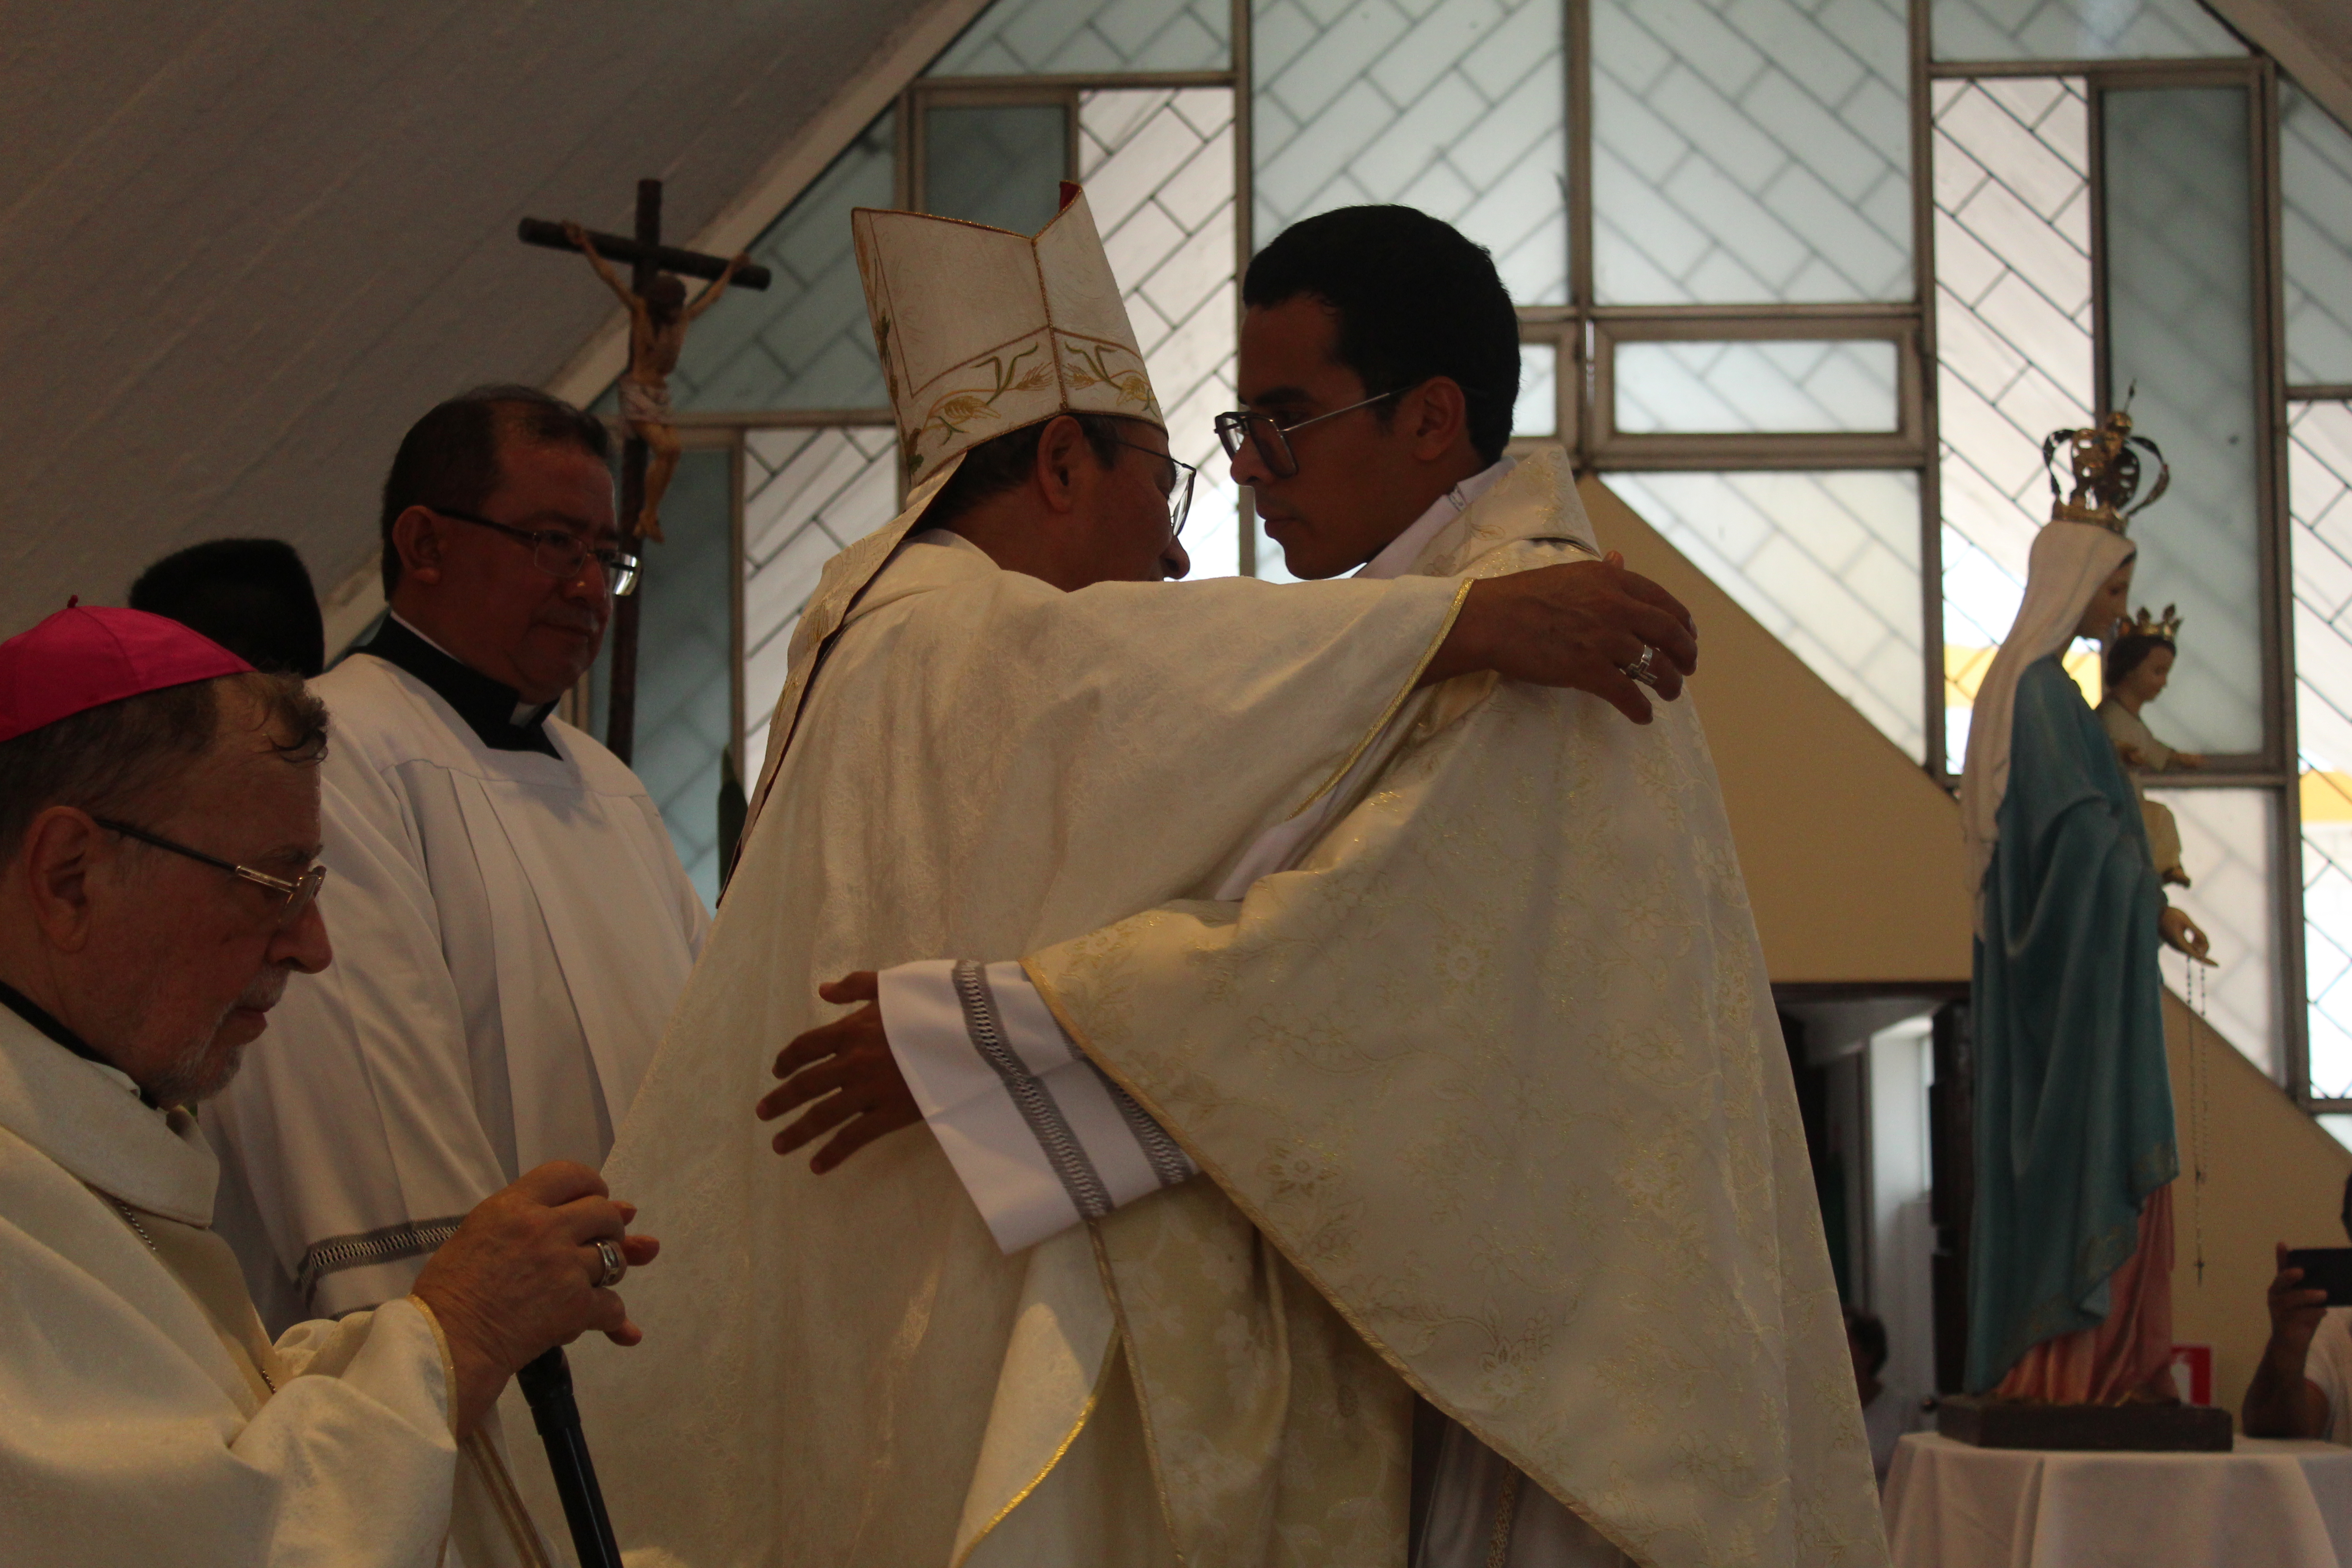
[{"x": 2328, "y": 1268}]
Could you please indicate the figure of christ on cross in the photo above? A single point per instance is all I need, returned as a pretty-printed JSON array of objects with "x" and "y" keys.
[{"x": 658, "y": 319}]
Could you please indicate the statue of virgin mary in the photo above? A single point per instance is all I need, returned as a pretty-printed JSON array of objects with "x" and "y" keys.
[{"x": 2070, "y": 1275}]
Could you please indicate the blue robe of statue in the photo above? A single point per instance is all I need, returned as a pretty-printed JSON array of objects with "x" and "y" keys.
[{"x": 2073, "y": 1100}]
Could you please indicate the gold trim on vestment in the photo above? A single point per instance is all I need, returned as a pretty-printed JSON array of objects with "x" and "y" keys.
[
  {"x": 1126, "y": 1348},
  {"x": 512, "y": 1513},
  {"x": 1411, "y": 685},
  {"x": 448, "y": 1364},
  {"x": 1397, "y": 1363},
  {"x": 1069, "y": 1438}
]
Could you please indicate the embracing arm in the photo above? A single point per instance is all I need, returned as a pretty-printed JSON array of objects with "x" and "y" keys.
[{"x": 1574, "y": 626}]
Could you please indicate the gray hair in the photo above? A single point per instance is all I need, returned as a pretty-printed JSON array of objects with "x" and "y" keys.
[{"x": 106, "y": 757}]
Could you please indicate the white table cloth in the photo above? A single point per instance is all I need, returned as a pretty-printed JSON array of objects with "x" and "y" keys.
[{"x": 2276, "y": 1503}]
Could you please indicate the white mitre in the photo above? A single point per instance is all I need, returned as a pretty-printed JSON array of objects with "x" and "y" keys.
[{"x": 982, "y": 332}]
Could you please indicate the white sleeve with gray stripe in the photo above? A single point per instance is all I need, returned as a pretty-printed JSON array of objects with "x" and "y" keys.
[{"x": 1040, "y": 1137}]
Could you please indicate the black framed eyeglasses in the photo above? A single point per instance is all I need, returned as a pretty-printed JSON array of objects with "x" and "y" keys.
[
  {"x": 1272, "y": 441},
  {"x": 560, "y": 554},
  {"x": 1179, "y": 488},
  {"x": 299, "y": 893}
]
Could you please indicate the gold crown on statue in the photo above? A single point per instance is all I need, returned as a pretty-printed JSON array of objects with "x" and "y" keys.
[
  {"x": 2146, "y": 625},
  {"x": 2107, "y": 472}
]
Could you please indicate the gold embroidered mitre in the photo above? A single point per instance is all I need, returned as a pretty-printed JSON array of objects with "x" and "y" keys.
[{"x": 982, "y": 332}]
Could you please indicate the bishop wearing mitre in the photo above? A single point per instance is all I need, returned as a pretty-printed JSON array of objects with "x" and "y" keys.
[{"x": 1350, "y": 1010}]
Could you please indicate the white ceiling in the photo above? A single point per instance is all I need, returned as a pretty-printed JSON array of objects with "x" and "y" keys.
[{"x": 243, "y": 244}]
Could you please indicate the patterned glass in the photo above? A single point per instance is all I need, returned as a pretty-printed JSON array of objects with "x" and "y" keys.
[
  {"x": 2075, "y": 30},
  {"x": 1456, "y": 107},
  {"x": 2315, "y": 202},
  {"x": 2013, "y": 337},
  {"x": 1069, "y": 37},
  {"x": 1159, "y": 171},
  {"x": 807, "y": 494},
  {"x": 686, "y": 699},
  {"x": 2180, "y": 328},
  {"x": 804, "y": 342},
  {"x": 998, "y": 164},
  {"x": 1828, "y": 562},
  {"x": 2319, "y": 501},
  {"x": 1742, "y": 387},
  {"x": 2225, "y": 848},
  {"x": 1750, "y": 151},
  {"x": 1535, "y": 414}
]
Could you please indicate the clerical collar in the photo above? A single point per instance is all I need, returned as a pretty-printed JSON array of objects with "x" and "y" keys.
[
  {"x": 494, "y": 710},
  {"x": 46, "y": 1022},
  {"x": 1397, "y": 556}
]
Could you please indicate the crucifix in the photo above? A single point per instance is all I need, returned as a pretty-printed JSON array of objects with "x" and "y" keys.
[{"x": 659, "y": 317}]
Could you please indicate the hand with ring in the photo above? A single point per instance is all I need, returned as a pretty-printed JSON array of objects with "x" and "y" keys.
[{"x": 532, "y": 1266}]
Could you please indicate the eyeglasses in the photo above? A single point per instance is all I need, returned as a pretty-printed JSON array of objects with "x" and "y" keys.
[
  {"x": 561, "y": 554},
  {"x": 1272, "y": 441},
  {"x": 299, "y": 893},
  {"x": 1180, "y": 494}
]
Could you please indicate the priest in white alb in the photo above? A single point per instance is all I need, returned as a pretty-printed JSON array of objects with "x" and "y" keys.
[
  {"x": 512, "y": 921},
  {"x": 1316, "y": 997},
  {"x": 159, "y": 822}
]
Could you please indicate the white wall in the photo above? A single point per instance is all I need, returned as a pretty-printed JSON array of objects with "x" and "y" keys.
[{"x": 1901, "y": 1067}]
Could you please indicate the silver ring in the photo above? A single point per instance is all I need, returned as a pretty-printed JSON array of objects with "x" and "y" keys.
[
  {"x": 1639, "y": 669},
  {"x": 613, "y": 1265}
]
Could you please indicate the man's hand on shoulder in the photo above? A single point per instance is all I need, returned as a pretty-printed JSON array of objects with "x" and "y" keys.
[
  {"x": 1579, "y": 626},
  {"x": 847, "y": 1068},
  {"x": 525, "y": 1272}
]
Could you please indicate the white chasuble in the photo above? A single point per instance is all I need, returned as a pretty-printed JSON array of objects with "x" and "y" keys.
[
  {"x": 510, "y": 929},
  {"x": 145, "y": 1418},
  {"x": 847, "y": 1369}
]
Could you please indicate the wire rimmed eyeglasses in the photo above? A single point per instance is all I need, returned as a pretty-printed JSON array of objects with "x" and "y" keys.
[
  {"x": 558, "y": 554},
  {"x": 1180, "y": 486},
  {"x": 1271, "y": 441},
  {"x": 299, "y": 893}
]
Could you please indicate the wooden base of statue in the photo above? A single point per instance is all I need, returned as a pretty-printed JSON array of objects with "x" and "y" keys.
[{"x": 2083, "y": 1428}]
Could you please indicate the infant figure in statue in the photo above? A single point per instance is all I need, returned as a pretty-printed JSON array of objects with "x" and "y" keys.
[
  {"x": 2069, "y": 1266},
  {"x": 2138, "y": 665}
]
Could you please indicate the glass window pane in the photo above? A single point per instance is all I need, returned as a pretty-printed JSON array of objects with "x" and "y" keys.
[
  {"x": 804, "y": 342},
  {"x": 1537, "y": 413},
  {"x": 2180, "y": 328},
  {"x": 2013, "y": 340},
  {"x": 1063, "y": 38},
  {"x": 2225, "y": 848},
  {"x": 1159, "y": 170},
  {"x": 2315, "y": 200},
  {"x": 1748, "y": 153},
  {"x": 807, "y": 494},
  {"x": 998, "y": 164},
  {"x": 2076, "y": 30},
  {"x": 686, "y": 693},
  {"x": 1725, "y": 388},
  {"x": 2319, "y": 500},
  {"x": 1456, "y": 107},
  {"x": 1828, "y": 562}
]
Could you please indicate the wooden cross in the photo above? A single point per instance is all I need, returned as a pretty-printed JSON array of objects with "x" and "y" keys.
[{"x": 647, "y": 259}]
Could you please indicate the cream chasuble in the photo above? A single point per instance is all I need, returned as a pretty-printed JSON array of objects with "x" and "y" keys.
[
  {"x": 511, "y": 929},
  {"x": 144, "y": 1416}
]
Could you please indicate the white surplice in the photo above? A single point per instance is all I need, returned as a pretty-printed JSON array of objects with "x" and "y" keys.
[
  {"x": 144, "y": 1416},
  {"x": 511, "y": 929}
]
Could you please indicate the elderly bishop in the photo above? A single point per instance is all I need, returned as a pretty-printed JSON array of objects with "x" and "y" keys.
[{"x": 1315, "y": 997}]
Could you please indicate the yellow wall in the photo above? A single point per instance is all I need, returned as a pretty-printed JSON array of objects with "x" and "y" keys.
[
  {"x": 1853, "y": 854},
  {"x": 2272, "y": 1175}
]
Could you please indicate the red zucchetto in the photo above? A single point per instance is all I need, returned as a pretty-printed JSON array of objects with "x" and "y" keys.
[{"x": 82, "y": 658}]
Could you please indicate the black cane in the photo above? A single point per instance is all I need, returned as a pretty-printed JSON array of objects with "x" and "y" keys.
[{"x": 547, "y": 1384}]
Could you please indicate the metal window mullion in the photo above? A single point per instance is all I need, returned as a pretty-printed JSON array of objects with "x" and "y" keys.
[
  {"x": 1244, "y": 222},
  {"x": 1576, "y": 396},
  {"x": 1931, "y": 470},
  {"x": 737, "y": 493}
]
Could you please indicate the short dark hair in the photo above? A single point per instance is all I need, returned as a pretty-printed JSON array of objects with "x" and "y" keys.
[
  {"x": 106, "y": 759},
  {"x": 253, "y": 596},
  {"x": 450, "y": 457},
  {"x": 1005, "y": 462},
  {"x": 1415, "y": 300},
  {"x": 2129, "y": 651}
]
